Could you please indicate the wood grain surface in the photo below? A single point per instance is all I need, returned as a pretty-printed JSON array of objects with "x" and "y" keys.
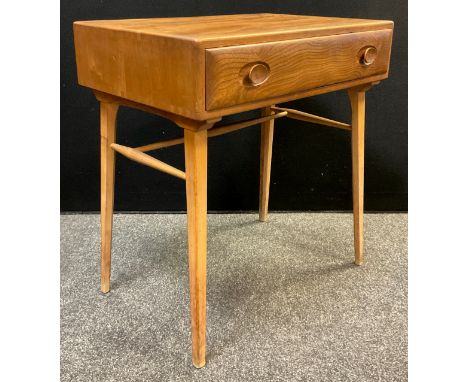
[
  {"x": 266, "y": 151},
  {"x": 295, "y": 65},
  {"x": 108, "y": 130},
  {"x": 357, "y": 98},
  {"x": 196, "y": 151},
  {"x": 160, "y": 63},
  {"x": 223, "y": 30},
  {"x": 164, "y": 73},
  {"x": 196, "y": 70}
]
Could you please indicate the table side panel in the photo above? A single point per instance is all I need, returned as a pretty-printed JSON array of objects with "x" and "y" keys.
[
  {"x": 294, "y": 66},
  {"x": 157, "y": 71}
]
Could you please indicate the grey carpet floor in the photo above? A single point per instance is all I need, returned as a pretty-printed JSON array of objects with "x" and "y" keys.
[{"x": 285, "y": 302}]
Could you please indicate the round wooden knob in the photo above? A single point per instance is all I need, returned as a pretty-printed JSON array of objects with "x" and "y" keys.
[
  {"x": 258, "y": 74},
  {"x": 368, "y": 56}
]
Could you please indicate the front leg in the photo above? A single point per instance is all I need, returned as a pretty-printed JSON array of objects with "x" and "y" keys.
[
  {"x": 358, "y": 101},
  {"x": 195, "y": 143},
  {"x": 108, "y": 118}
]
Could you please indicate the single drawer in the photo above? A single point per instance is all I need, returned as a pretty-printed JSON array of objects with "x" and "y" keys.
[{"x": 247, "y": 73}]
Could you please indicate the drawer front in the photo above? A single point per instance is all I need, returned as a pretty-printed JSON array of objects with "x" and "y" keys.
[{"x": 248, "y": 73}]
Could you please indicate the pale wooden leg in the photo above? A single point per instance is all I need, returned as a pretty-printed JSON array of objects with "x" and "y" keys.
[
  {"x": 108, "y": 118},
  {"x": 266, "y": 147},
  {"x": 357, "y": 97},
  {"x": 196, "y": 185}
]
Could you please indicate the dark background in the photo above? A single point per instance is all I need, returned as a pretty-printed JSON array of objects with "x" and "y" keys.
[{"x": 311, "y": 166}]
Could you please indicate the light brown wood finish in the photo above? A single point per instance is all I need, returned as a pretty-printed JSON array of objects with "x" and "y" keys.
[
  {"x": 196, "y": 187},
  {"x": 237, "y": 126},
  {"x": 167, "y": 74},
  {"x": 266, "y": 148},
  {"x": 307, "y": 117},
  {"x": 125, "y": 58},
  {"x": 160, "y": 144},
  {"x": 147, "y": 160},
  {"x": 179, "y": 120},
  {"x": 108, "y": 126},
  {"x": 223, "y": 30},
  {"x": 358, "y": 104},
  {"x": 213, "y": 132},
  {"x": 196, "y": 70},
  {"x": 254, "y": 105},
  {"x": 294, "y": 65}
]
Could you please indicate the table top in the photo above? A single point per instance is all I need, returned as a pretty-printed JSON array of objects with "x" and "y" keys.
[
  {"x": 242, "y": 28},
  {"x": 206, "y": 67}
]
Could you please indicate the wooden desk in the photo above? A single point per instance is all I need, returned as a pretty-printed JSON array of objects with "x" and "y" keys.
[{"x": 196, "y": 70}]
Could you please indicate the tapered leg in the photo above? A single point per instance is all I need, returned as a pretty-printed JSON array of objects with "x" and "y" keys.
[
  {"x": 266, "y": 148},
  {"x": 357, "y": 98},
  {"x": 196, "y": 186},
  {"x": 108, "y": 118}
]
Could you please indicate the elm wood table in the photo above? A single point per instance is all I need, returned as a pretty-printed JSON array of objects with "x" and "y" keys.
[{"x": 196, "y": 70}]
